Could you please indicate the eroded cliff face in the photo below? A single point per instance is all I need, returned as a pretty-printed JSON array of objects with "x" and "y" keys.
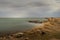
[
  {"x": 49, "y": 30},
  {"x": 52, "y": 24}
]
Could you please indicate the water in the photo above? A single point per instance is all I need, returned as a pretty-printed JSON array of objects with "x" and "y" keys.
[{"x": 14, "y": 24}]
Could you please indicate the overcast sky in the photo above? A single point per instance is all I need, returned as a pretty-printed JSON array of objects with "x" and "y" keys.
[{"x": 29, "y": 8}]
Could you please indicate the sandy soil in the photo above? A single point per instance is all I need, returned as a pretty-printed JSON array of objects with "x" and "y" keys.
[{"x": 49, "y": 30}]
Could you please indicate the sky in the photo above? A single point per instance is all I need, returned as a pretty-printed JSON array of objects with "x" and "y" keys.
[{"x": 29, "y": 8}]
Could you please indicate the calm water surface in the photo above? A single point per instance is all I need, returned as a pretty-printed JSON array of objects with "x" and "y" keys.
[{"x": 14, "y": 24}]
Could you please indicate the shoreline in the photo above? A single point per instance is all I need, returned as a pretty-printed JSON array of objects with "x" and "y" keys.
[{"x": 48, "y": 31}]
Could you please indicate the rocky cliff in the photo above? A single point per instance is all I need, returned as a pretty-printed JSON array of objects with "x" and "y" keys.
[{"x": 49, "y": 30}]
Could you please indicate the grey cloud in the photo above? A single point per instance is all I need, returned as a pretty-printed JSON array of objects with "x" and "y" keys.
[
  {"x": 4, "y": 3},
  {"x": 38, "y": 4},
  {"x": 43, "y": 12},
  {"x": 33, "y": 8},
  {"x": 21, "y": 3},
  {"x": 57, "y": 13}
]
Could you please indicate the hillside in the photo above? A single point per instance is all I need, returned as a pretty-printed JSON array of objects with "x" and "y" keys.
[{"x": 49, "y": 30}]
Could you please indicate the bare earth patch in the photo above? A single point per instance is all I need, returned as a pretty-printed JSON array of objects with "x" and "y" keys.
[{"x": 49, "y": 30}]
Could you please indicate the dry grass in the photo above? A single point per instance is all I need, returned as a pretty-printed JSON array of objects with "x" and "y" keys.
[{"x": 49, "y": 31}]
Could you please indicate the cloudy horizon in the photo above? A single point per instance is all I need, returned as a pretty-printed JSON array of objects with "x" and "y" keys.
[{"x": 29, "y": 8}]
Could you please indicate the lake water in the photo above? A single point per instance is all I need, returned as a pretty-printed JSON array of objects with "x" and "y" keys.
[{"x": 14, "y": 24}]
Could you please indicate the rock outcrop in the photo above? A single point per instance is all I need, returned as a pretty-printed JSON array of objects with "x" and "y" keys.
[{"x": 49, "y": 30}]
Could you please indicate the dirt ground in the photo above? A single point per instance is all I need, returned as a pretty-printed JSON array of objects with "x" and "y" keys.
[{"x": 50, "y": 30}]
